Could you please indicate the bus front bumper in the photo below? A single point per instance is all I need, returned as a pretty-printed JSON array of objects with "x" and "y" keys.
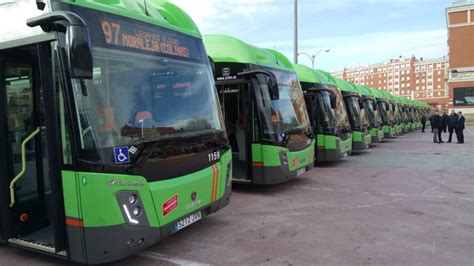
[
  {"x": 377, "y": 135},
  {"x": 111, "y": 243}
]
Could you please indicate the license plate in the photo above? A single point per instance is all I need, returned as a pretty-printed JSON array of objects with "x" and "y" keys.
[
  {"x": 187, "y": 221},
  {"x": 301, "y": 171}
]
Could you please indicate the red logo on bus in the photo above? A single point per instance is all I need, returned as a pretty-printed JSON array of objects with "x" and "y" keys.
[
  {"x": 295, "y": 161},
  {"x": 170, "y": 205}
]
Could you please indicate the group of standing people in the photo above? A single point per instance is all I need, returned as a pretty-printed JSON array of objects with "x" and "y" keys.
[{"x": 453, "y": 123}]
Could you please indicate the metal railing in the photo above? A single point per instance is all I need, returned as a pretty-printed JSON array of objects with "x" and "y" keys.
[{"x": 23, "y": 163}]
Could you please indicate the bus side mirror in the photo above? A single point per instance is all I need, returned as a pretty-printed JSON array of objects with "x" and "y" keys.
[
  {"x": 273, "y": 87},
  {"x": 79, "y": 49},
  {"x": 271, "y": 81},
  {"x": 361, "y": 103},
  {"x": 213, "y": 66},
  {"x": 333, "y": 99},
  {"x": 79, "y": 52}
]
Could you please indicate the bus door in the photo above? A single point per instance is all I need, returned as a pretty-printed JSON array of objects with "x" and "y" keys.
[
  {"x": 27, "y": 199},
  {"x": 311, "y": 100},
  {"x": 236, "y": 103}
]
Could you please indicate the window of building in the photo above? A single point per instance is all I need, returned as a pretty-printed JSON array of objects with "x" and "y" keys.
[{"x": 464, "y": 96}]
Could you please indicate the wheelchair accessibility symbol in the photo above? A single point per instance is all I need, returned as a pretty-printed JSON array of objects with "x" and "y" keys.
[{"x": 122, "y": 155}]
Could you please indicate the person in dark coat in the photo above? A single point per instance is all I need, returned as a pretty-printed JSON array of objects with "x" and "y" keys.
[
  {"x": 431, "y": 123},
  {"x": 423, "y": 123},
  {"x": 441, "y": 129},
  {"x": 445, "y": 122},
  {"x": 460, "y": 128},
  {"x": 436, "y": 124},
  {"x": 452, "y": 122}
]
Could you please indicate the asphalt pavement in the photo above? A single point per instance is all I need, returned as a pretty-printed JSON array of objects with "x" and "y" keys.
[{"x": 403, "y": 202}]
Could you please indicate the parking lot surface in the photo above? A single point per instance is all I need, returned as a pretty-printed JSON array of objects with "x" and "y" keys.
[{"x": 406, "y": 202}]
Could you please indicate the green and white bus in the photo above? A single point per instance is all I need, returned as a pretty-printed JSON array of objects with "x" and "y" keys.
[
  {"x": 386, "y": 114},
  {"x": 113, "y": 137},
  {"x": 361, "y": 138},
  {"x": 395, "y": 111},
  {"x": 327, "y": 113},
  {"x": 404, "y": 114},
  {"x": 264, "y": 110},
  {"x": 372, "y": 110}
]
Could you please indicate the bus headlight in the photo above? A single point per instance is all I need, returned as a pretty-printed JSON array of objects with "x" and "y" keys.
[
  {"x": 137, "y": 211},
  {"x": 132, "y": 199},
  {"x": 284, "y": 161},
  {"x": 132, "y": 208}
]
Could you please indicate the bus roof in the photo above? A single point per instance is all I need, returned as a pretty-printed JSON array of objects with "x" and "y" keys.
[
  {"x": 224, "y": 48},
  {"x": 345, "y": 85},
  {"x": 157, "y": 12},
  {"x": 307, "y": 74},
  {"x": 387, "y": 96},
  {"x": 363, "y": 90}
]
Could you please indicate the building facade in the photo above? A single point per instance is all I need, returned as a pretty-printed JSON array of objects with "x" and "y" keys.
[
  {"x": 444, "y": 83},
  {"x": 418, "y": 79},
  {"x": 460, "y": 23}
]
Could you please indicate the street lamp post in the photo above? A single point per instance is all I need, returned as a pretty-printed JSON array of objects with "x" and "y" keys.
[
  {"x": 313, "y": 57},
  {"x": 295, "y": 32}
]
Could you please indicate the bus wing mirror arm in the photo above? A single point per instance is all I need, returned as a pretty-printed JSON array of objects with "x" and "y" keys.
[
  {"x": 79, "y": 51},
  {"x": 271, "y": 82}
]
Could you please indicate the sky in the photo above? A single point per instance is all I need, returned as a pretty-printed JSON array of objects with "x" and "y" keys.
[{"x": 357, "y": 32}]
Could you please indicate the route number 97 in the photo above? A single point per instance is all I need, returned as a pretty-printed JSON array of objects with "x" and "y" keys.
[{"x": 214, "y": 156}]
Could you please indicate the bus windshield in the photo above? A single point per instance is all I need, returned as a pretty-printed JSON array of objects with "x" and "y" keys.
[
  {"x": 358, "y": 118},
  {"x": 332, "y": 119},
  {"x": 396, "y": 113},
  {"x": 288, "y": 113},
  {"x": 135, "y": 98},
  {"x": 387, "y": 112},
  {"x": 149, "y": 84},
  {"x": 374, "y": 115}
]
